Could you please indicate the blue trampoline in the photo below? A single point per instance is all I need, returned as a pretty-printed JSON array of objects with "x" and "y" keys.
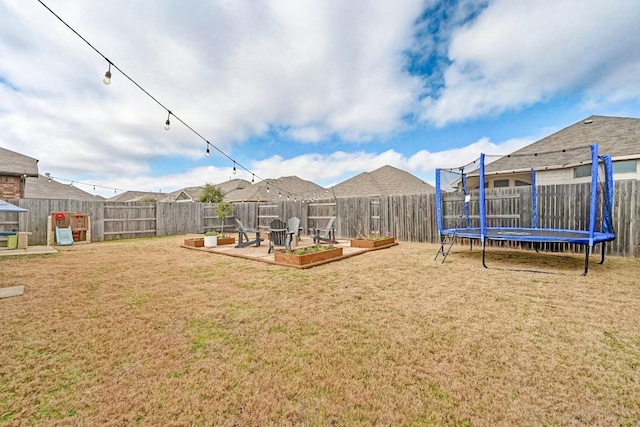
[{"x": 588, "y": 237}]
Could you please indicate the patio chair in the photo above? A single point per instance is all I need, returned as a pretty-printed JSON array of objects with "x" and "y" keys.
[
  {"x": 278, "y": 235},
  {"x": 293, "y": 225},
  {"x": 293, "y": 231},
  {"x": 243, "y": 237},
  {"x": 328, "y": 235}
]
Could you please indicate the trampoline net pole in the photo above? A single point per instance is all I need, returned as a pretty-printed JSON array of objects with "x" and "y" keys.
[
  {"x": 607, "y": 226},
  {"x": 438, "y": 201},
  {"x": 534, "y": 200},
  {"x": 594, "y": 193},
  {"x": 483, "y": 212}
]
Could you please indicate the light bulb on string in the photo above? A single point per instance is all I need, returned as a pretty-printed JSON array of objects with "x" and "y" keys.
[
  {"x": 107, "y": 76},
  {"x": 167, "y": 124},
  {"x": 287, "y": 197},
  {"x": 253, "y": 179},
  {"x": 207, "y": 153},
  {"x": 267, "y": 188},
  {"x": 234, "y": 168},
  {"x": 279, "y": 194}
]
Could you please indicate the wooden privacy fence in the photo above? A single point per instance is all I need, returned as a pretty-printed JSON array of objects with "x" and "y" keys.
[{"x": 408, "y": 218}]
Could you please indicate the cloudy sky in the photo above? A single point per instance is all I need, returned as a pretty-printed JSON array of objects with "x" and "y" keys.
[{"x": 319, "y": 89}]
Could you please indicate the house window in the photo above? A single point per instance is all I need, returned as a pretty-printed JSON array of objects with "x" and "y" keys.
[
  {"x": 499, "y": 183},
  {"x": 625, "y": 166},
  {"x": 582, "y": 171},
  {"x": 522, "y": 183}
]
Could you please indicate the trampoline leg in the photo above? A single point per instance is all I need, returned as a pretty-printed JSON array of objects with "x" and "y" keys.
[
  {"x": 441, "y": 251},
  {"x": 603, "y": 249},
  {"x": 470, "y": 244},
  {"x": 536, "y": 246},
  {"x": 586, "y": 261},
  {"x": 484, "y": 264}
]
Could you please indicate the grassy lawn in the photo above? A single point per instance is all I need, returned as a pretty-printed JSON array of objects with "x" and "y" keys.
[{"x": 143, "y": 332}]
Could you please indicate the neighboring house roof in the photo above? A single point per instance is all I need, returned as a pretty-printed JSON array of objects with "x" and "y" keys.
[
  {"x": 240, "y": 190},
  {"x": 192, "y": 194},
  {"x": 286, "y": 185},
  {"x": 43, "y": 188},
  {"x": 189, "y": 194},
  {"x": 12, "y": 163},
  {"x": 384, "y": 181},
  {"x": 136, "y": 196},
  {"x": 617, "y": 136}
]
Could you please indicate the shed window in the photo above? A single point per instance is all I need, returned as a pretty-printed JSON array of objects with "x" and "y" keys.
[
  {"x": 499, "y": 183},
  {"x": 522, "y": 183}
]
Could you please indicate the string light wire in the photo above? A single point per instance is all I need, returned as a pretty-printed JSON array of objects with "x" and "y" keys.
[{"x": 170, "y": 113}]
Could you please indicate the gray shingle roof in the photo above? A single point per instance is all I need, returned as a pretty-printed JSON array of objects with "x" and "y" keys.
[
  {"x": 618, "y": 136},
  {"x": 42, "y": 188},
  {"x": 296, "y": 187},
  {"x": 384, "y": 181},
  {"x": 135, "y": 196},
  {"x": 12, "y": 163}
]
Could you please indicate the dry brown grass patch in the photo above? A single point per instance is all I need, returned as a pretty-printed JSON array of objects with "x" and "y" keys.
[{"x": 145, "y": 332}]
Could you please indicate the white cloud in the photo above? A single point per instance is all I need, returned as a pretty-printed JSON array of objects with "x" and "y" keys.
[
  {"x": 519, "y": 53},
  {"x": 323, "y": 169},
  {"x": 231, "y": 70},
  {"x": 332, "y": 168}
]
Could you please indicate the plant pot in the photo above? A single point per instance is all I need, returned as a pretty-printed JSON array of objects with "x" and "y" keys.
[
  {"x": 293, "y": 259},
  {"x": 210, "y": 241},
  {"x": 226, "y": 240},
  {"x": 368, "y": 244},
  {"x": 197, "y": 242}
]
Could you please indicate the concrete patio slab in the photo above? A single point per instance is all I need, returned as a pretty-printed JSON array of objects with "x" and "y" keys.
[{"x": 30, "y": 250}]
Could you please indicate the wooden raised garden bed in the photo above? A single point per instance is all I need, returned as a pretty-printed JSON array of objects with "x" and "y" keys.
[
  {"x": 226, "y": 240},
  {"x": 362, "y": 243},
  {"x": 196, "y": 242},
  {"x": 294, "y": 259}
]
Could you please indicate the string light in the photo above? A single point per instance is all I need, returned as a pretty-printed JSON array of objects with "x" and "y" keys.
[
  {"x": 107, "y": 76},
  {"x": 253, "y": 180},
  {"x": 234, "y": 168},
  {"x": 207, "y": 153},
  {"x": 267, "y": 189},
  {"x": 167, "y": 124}
]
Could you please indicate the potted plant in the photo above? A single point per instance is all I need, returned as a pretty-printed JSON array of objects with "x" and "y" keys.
[
  {"x": 211, "y": 239},
  {"x": 308, "y": 255},
  {"x": 223, "y": 210}
]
